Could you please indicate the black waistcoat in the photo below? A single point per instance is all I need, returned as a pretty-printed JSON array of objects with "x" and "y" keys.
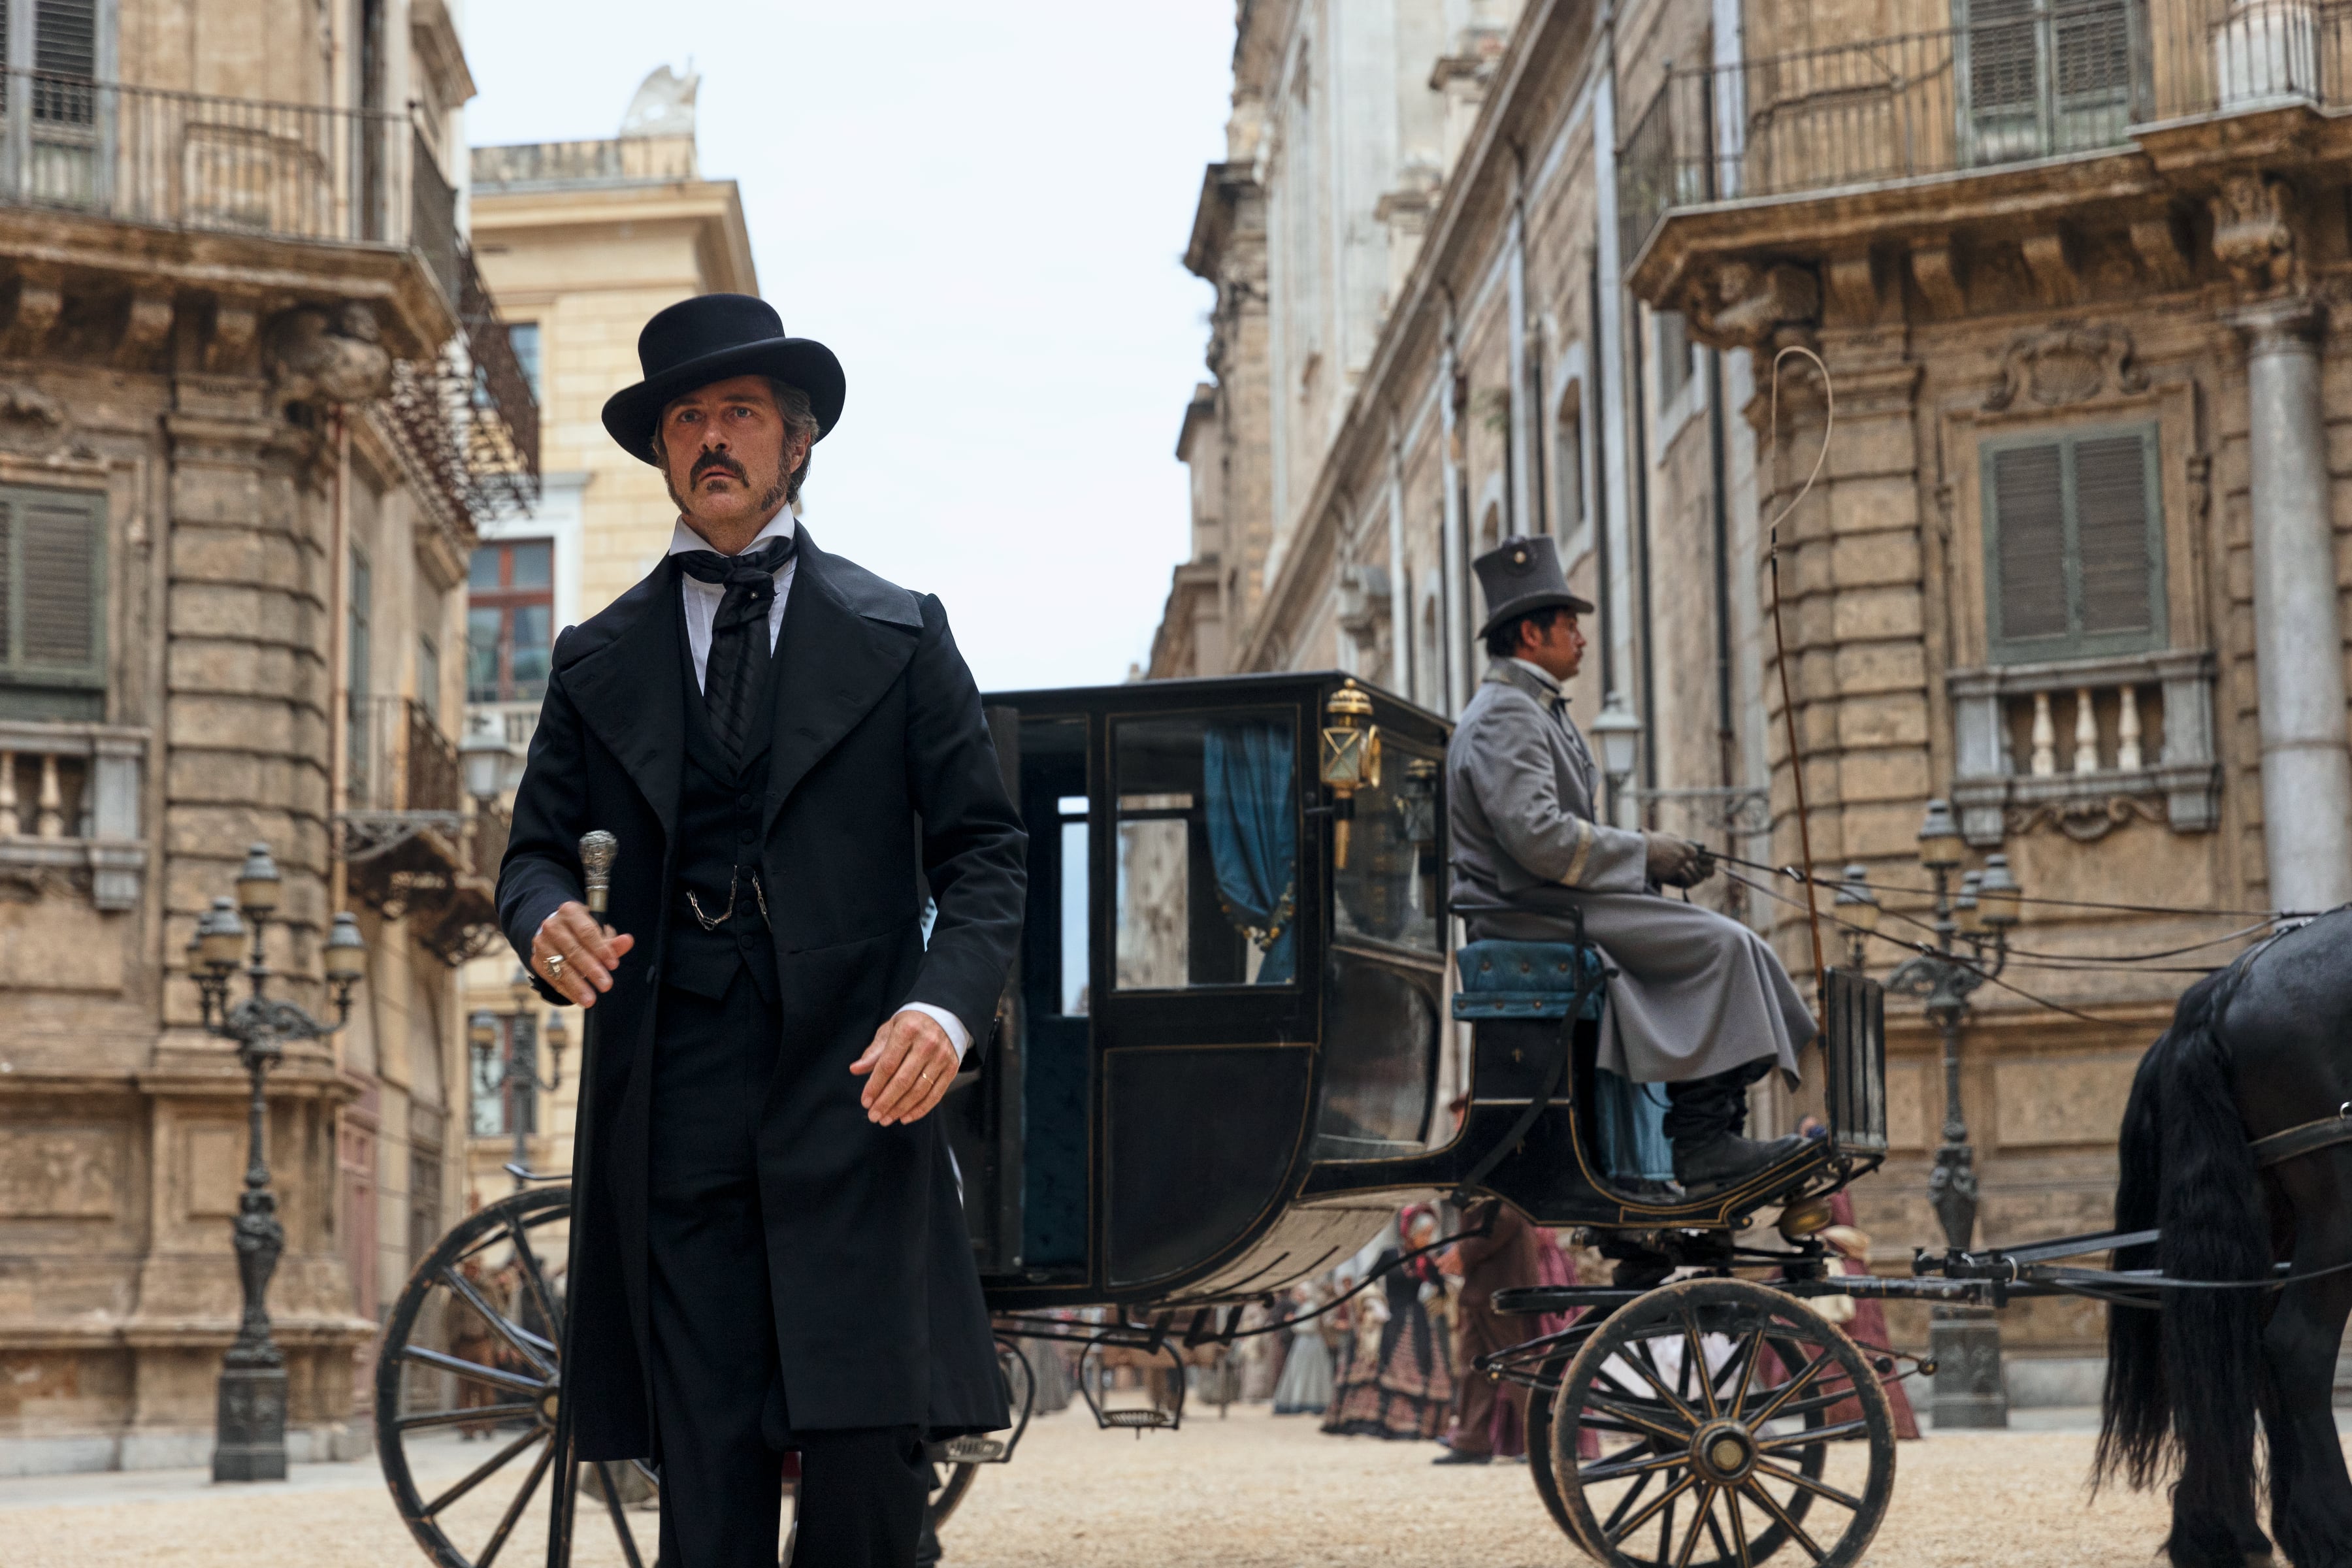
[{"x": 719, "y": 810}]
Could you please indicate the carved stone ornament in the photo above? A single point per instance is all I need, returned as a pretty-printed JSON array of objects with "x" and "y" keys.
[
  {"x": 2085, "y": 819},
  {"x": 2066, "y": 362},
  {"x": 2253, "y": 236},
  {"x": 1748, "y": 306},
  {"x": 318, "y": 357},
  {"x": 29, "y": 408}
]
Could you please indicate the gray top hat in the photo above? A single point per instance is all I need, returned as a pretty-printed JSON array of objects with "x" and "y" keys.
[{"x": 1522, "y": 574}]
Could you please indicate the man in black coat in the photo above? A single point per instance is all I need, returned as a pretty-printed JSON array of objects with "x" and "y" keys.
[{"x": 789, "y": 751}]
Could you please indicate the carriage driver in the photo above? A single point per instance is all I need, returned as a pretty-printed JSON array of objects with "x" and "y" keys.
[
  {"x": 773, "y": 1255},
  {"x": 1700, "y": 1003}
]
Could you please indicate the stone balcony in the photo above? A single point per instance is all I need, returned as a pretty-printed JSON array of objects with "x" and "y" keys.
[
  {"x": 70, "y": 808},
  {"x": 2023, "y": 163},
  {"x": 155, "y": 230}
]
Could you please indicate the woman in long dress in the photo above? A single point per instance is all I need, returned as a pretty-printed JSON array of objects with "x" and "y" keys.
[
  {"x": 1400, "y": 1380},
  {"x": 1305, "y": 1387}
]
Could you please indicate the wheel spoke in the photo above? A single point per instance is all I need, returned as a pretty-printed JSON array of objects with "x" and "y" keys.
[
  {"x": 1697, "y": 1355},
  {"x": 527, "y": 1345},
  {"x": 1842, "y": 1432},
  {"x": 1738, "y": 1526},
  {"x": 534, "y": 1277},
  {"x": 1764, "y": 1500},
  {"x": 514, "y": 1509},
  {"x": 1664, "y": 1499},
  {"x": 1665, "y": 1532},
  {"x": 1705, "y": 1516},
  {"x": 483, "y": 1471},
  {"x": 1752, "y": 1353},
  {"x": 613, "y": 1506},
  {"x": 1626, "y": 1412},
  {"x": 1631, "y": 1464},
  {"x": 1819, "y": 1488},
  {"x": 463, "y": 1418},
  {"x": 498, "y": 1377},
  {"x": 1714, "y": 1530},
  {"x": 1646, "y": 1369},
  {"x": 1625, "y": 1504},
  {"x": 1787, "y": 1390}
]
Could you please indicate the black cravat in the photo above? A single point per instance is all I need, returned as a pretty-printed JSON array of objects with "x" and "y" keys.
[{"x": 739, "y": 637}]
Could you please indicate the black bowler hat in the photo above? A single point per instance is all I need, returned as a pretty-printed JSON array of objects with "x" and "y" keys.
[
  {"x": 712, "y": 337},
  {"x": 1523, "y": 574}
]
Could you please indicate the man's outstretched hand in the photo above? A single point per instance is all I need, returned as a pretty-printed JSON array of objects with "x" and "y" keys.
[
  {"x": 588, "y": 952},
  {"x": 907, "y": 1069}
]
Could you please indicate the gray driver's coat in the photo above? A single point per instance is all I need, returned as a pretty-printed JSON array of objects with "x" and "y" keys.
[{"x": 1696, "y": 993}]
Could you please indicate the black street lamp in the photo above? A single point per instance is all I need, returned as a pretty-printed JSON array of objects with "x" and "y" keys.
[
  {"x": 250, "y": 1432},
  {"x": 519, "y": 1079},
  {"x": 1965, "y": 1341}
]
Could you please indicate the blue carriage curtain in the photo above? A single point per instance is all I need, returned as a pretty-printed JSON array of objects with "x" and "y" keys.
[{"x": 1253, "y": 836}]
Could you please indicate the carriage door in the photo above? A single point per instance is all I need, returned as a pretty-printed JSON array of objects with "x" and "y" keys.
[{"x": 1208, "y": 933}]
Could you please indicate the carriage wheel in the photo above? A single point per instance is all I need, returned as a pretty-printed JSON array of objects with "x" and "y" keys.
[
  {"x": 1540, "y": 1444},
  {"x": 471, "y": 1347},
  {"x": 1785, "y": 1435}
]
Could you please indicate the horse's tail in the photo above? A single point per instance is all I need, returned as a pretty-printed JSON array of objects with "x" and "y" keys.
[{"x": 2182, "y": 1381}]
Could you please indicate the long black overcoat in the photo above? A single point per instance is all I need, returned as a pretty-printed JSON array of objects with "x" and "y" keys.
[{"x": 880, "y": 765}]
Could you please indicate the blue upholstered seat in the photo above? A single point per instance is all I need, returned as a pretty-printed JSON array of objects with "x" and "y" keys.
[{"x": 1526, "y": 979}]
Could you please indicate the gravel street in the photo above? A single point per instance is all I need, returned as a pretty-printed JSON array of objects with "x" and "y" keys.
[{"x": 1250, "y": 1492}]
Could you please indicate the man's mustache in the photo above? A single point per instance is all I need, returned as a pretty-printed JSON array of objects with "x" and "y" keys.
[{"x": 720, "y": 461}]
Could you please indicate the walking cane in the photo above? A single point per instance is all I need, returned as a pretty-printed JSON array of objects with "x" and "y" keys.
[{"x": 596, "y": 852}]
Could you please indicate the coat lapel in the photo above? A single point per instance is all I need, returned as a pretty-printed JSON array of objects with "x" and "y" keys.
[
  {"x": 845, "y": 637},
  {"x": 627, "y": 692}
]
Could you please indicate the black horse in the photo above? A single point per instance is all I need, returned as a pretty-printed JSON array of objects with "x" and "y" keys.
[{"x": 2261, "y": 1046}]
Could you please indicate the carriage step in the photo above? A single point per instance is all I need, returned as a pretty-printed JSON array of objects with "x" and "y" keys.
[
  {"x": 975, "y": 1451},
  {"x": 1139, "y": 1419}
]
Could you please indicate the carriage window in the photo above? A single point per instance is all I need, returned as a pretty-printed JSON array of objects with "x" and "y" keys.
[
  {"x": 1207, "y": 851},
  {"x": 1388, "y": 890}
]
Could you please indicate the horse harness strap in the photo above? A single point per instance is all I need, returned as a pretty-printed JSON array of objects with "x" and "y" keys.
[{"x": 2308, "y": 1139}]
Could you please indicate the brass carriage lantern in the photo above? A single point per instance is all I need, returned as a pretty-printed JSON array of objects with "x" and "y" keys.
[
  {"x": 1350, "y": 760},
  {"x": 1857, "y": 907}
]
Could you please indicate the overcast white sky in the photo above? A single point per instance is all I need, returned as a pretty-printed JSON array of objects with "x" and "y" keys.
[{"x": 982, "y": 210}]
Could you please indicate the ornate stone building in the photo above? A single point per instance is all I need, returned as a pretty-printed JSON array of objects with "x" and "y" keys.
[
  {"x": 254, "y": 402},
  {"x": 583, "y": 241},
  {"x": 2075, "y": 561}
]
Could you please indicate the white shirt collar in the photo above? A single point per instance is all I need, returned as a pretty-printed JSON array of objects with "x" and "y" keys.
[
  {"x": 1539, "y": 672},
  {"x": 781, "y": 526}
]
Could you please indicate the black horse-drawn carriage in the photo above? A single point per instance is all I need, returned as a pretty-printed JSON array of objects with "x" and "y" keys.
[{"x": 1216, "y": 1074}]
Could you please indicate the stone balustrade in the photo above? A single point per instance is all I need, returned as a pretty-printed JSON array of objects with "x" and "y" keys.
[
  {"x": 2084, "y": 745},
  {"x": 70, "y": 801}
]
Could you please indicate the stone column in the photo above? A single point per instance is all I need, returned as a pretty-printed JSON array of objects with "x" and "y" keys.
[{"x": 2298, "y": 634}]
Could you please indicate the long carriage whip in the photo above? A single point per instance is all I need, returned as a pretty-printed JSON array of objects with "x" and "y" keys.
[
  {"x": 1780, "y": 644},
  {"x": 597, "y": 850}
]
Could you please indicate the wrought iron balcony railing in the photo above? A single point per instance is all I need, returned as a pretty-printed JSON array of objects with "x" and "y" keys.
[
  {"x": 297, "y": 172},
  {"x": 188, "y": 161},
  {"x": 2025, "y": 80}
]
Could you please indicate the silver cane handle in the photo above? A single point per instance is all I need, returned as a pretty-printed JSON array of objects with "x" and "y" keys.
[{"x": 597, "y": 850}]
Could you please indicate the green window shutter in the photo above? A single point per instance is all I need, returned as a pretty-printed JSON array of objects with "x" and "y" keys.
[
  {"x": 2111, "y": 522},
  {"x": 52, "y": 604},
  {"x": 2030, "y": 555},
  {"x": 2074, "y": 546}
]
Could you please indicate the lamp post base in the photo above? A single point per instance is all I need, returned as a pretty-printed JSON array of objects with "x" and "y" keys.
[
  {"x": 1970, "y": 1393},
  {"x": 251, "y": 1446}
]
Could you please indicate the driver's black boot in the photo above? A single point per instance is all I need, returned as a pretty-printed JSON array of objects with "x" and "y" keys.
[{"x": 1704, "y": 1121}]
